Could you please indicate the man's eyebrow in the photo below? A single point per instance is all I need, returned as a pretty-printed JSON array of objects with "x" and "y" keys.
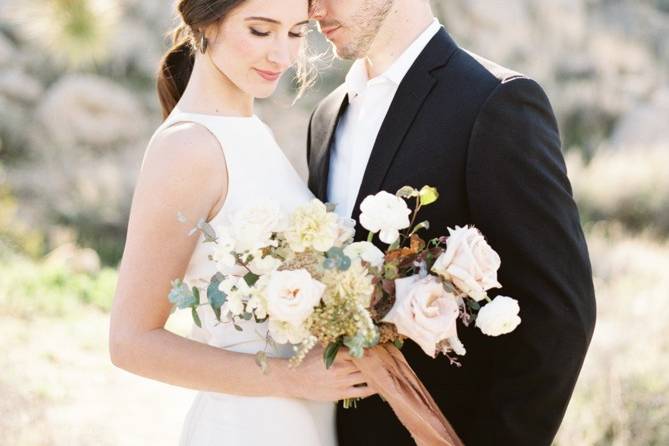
[{"x": 267, "y": 19}]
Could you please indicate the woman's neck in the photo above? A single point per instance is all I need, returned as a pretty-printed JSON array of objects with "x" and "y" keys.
[{"x": 209, "y": 91}]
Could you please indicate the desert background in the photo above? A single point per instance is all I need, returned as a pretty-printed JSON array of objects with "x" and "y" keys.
[{"x": 78, "y": 106}]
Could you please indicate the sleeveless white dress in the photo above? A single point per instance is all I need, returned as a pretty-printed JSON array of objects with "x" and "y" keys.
[{"x": 257, "y": 171}]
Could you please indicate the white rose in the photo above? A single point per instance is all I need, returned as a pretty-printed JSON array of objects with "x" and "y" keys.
[
  {"x": 424, "y": 311},
  {"x": 469, "y": 262},
  {"x": 292, "y": 295},
  {"x": 499, "y": 316},
  {"x": 386, "y": 213},
  {"x": 365, "y": 251},
  {"x": 253, "y": 227},
  {"x": 312, "y": 226}
]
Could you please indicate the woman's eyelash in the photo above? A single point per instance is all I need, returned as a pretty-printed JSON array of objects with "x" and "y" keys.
[{"x": 255, "y": 32}]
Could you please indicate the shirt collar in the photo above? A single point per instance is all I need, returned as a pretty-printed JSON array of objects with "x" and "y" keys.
[{"x": 357, "y": 79}]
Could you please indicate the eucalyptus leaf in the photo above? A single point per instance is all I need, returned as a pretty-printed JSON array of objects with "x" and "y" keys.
[
  {"x": 261, "y": 360},
  {"x": 217, "y": 313},
  {"x": 330, "y": 207},
  {"x": 181, "y": 296},
  {"x": 237, "y": 327},
  {"x": 207, "y": 230},
  {"x": 196, "y": 317},
  {"x": 338, "y": 259},
  {"x": 399, "y": 343},
  {"x": 344, "y": 263},
  {"x": 215, "y": 296},
  {"x": 329, "y": 263}
]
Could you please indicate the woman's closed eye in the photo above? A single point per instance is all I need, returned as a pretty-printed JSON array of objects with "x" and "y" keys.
[{"x": 258, "y": 33}]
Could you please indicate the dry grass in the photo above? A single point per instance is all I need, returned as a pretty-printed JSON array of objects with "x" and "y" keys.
[
  {"x": 622, "y": 397},
  {"x": 57, "y": 387}
]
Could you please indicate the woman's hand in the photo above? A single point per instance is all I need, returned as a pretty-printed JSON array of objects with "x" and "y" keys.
[{"x": 312, "y": 381}]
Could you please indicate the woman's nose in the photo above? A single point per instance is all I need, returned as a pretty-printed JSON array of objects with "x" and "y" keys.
[{"x": 280, "y": 55}]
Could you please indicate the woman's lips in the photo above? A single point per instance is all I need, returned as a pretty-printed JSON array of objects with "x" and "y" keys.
[{"x": 269, "y": 75}]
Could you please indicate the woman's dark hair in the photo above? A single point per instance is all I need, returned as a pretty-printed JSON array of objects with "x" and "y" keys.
[{"x": 177, "y": 64}]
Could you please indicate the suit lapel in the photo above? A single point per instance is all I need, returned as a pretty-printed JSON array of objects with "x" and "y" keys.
[
  {"x": 410, "y": 96},
  {"x": 324, "y": 132}
]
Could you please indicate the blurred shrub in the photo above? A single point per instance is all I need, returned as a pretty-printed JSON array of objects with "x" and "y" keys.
[
  {"x": 622, "y": 397},
  {"x": 14, "y": 235},
  {"x": 630, "y": 187},
  {"x": 29, "y": 289},
  {"x": 75, "y": 33}
]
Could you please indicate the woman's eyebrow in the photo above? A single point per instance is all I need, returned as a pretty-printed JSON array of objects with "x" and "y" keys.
[{"x": 267, "y": 19}]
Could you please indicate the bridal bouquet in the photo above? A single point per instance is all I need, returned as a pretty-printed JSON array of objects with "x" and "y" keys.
[{"x": 303, "y": 274}]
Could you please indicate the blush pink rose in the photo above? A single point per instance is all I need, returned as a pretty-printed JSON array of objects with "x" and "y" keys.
[
  {"x": 469, "y": 262},
  {"x": 424, "y": 311}
]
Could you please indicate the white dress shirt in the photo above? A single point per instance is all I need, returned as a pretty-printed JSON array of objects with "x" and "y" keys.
[{"x": 369, "y": 101}]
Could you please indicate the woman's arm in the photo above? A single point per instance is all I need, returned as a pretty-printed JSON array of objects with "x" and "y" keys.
[{"x": 184, "y": 171}]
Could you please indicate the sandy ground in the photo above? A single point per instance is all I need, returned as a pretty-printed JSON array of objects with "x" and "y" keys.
[{"x": 58, "y": 387}]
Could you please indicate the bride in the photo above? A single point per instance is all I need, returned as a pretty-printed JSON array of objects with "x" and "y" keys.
[{"x": 212, "y": 156}]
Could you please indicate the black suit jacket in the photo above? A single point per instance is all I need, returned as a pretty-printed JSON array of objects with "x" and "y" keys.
[{"x": 487, "y": 138}]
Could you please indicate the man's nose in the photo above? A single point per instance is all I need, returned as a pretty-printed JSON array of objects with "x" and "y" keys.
[{"x": 318, "y": 10}]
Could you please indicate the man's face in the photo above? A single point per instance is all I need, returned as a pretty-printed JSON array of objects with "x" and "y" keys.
[{"x": 351, "y": 25}]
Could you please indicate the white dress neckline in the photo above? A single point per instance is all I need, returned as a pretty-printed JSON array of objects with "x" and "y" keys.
[{"x": 180, "y": 111}]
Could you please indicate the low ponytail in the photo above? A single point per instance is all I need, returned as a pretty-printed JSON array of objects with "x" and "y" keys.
[{"x": 175, "y": 70}]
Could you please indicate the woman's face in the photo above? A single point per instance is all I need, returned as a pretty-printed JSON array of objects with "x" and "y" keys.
[{"x": 258, "y": 41}]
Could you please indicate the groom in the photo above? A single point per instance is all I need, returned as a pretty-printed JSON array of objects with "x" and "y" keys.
[{"x": 417, "y": 109}]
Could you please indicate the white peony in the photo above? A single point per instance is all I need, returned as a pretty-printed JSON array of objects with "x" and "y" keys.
[
  {"x": 312, "y": 226},
  {"x": 384, "y": 213},
  {"x": 292, "y": 295},
  {"x": 469, "y": 262},
  {"x": 499, "y": 316},
  {"x": 367, "y": 252},
  {"x": 253, "y": 226}
]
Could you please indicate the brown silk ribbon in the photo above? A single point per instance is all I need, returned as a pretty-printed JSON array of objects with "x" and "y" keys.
[{"x": 388, "y": 372}]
